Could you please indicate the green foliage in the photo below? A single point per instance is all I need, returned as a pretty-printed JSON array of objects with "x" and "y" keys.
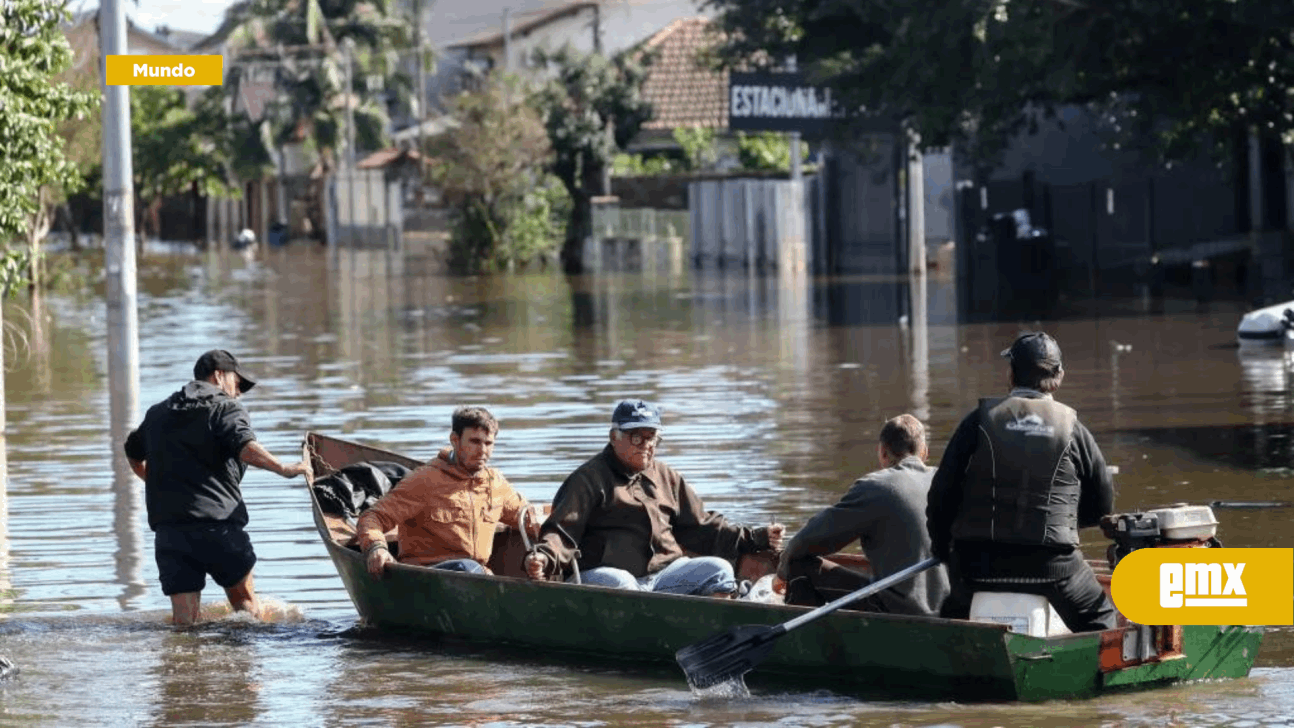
[
  {"x": 173, "y": 148},
  {"x": 977, "y": 72},
  {"x": 15, "y": 270},
  {"x": 637, "y": 165},
  {"x": 699, "y": 150},
  {"x": 491, "y": 171},
  {"x": 310, "y": 102},
  {"x": 33, "y": 52},
  {"x": 767, "y": 151},
  {"x": 592, "y": 107}
]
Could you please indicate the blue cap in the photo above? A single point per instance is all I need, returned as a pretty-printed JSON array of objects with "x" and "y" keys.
[{"x": 632, "y": 414}]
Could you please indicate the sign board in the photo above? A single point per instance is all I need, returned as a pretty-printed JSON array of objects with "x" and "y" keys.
[{"x": 778, "y": 102}]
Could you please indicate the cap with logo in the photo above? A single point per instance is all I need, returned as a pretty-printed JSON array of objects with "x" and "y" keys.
[
  {"x": 1034, "y": 349},
  {"x": 632, "y": 414},
  {"x": 219, "y": 360}
]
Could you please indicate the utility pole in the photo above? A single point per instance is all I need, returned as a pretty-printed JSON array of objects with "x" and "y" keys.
[
  {"x": 422, "y": 81},
  {"x": 916, "y": 205},
  {"x": 797, "y": 173},
  {"x": 347, "y": 46},
  {"x": 507, "y": 39},
  {"x": 119, "y": 231}
]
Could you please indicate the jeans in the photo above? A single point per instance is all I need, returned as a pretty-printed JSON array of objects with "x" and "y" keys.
[
  {"x": 468, "y": 565},
  {"x": 700, "y": 575}
]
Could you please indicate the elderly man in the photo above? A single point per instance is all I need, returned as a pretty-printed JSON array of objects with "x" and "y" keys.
[
  {"x": 628, "y": 518},
  {"x": 192, "y": 451},
  {"x": 1020, "y": 476},
  {"x": 885, "y": 511},
  {"x": 448, "y": 508}
]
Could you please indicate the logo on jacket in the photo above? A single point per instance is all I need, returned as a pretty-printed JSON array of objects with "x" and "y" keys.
[{"x": 1031, "y": 425}]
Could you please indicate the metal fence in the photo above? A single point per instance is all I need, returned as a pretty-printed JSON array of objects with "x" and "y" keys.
[
  {"x": 365, "y": 209},
  {"x": 752, "y": 223},
  {"x": 643, "y": 239}
]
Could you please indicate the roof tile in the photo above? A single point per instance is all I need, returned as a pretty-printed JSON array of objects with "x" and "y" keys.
[{"x": 683, "y": 91}]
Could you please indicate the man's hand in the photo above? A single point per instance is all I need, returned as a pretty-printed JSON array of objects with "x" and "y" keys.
[
  {"x": 533, "y": 522},
  {"x": 256, "y": 455},
  {"x": 775, "y": 533},
  {"x": 378, "y": 558},
  {"x": 301, "y": 468},
  {"x": 535, "y": 564}
]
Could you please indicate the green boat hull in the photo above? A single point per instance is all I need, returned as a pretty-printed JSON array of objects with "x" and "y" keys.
[{"x": 851, "y": 651}]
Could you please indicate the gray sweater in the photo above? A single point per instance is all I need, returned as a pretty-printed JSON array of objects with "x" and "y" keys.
[{"x": 885, "y": 511}]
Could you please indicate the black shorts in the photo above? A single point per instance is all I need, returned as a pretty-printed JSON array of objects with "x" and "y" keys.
[{"x": 186, "y": 554}]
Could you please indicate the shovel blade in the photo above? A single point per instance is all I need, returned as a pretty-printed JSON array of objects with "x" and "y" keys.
[{"x": 727, "y": 655}]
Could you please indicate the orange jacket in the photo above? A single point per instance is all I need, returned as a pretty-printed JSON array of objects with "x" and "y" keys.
[{"x": 444, "y": 512}]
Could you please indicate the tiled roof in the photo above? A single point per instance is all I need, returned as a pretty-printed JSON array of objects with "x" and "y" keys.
[{"x": 683, "y": 91}]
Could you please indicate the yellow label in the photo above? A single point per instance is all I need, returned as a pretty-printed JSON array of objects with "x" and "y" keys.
[
  {"x": 165, "y": 70},
  {"x": 1206, "y": 586}
]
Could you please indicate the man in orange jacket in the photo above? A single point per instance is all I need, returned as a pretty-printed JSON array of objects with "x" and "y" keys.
[{"x": 448, "y": 508}]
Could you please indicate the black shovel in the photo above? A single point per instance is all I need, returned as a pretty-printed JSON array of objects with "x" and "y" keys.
[{"x": 734, "y": 653}]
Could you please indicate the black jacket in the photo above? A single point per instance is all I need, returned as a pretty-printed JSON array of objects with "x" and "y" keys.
[
  {"x": 949, "y": 488},
  {"x": 191, "y": 442}
]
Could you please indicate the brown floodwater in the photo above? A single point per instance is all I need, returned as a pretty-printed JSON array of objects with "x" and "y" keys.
[{"x": 774, "y": 390}]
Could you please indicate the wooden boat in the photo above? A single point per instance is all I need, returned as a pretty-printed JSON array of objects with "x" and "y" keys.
[{"x": 849, "y": 651}]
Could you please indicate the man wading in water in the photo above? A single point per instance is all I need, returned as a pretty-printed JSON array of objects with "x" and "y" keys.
[{"x": 192, "y": 451}]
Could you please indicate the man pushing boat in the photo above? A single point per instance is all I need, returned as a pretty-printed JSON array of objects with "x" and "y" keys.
[{"x": 191, "y": 451}]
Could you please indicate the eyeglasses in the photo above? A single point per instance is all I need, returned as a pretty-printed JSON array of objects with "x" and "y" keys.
[{"x": 638, "y": 439}]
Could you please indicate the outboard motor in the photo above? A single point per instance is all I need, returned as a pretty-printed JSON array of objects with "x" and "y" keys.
[{"x": 1177, "y": 526}]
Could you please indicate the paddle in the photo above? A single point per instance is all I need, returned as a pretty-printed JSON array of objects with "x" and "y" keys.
[{"x": 737, "y": 651}]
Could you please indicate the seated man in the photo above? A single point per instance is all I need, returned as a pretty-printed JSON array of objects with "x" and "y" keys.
[
  {"x": 448, "y": 508},
  {"x": 628, "y": 517},
  {"x": 885, "y": 511},
  {"x": 1020, "y": 476}
]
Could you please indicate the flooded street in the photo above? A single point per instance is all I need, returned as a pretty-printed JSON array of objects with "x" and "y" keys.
[{"x": 773, "y": 393}]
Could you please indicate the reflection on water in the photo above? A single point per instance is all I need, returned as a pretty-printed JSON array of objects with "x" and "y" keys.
[
  {"x": 6, "y": 584},
  {"x": 774, "y": 388},
  {"x": 197, "y": 674}
]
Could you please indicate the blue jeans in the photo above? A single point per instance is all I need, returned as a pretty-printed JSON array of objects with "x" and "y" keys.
[
  {"x": 469, "y": 565},
  {"x": 700, "y": 575}
]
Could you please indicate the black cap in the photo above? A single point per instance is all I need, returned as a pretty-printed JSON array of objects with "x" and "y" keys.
[
  {"x": 632, "y": 414},
  {"x": 1035, "y": 349},
  {"x": 219, "y": 360}
]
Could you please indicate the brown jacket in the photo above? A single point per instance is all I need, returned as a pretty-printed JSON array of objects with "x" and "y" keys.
[
  {"x": 639, "y": 523},
  {"x": 444, "y": 512}
]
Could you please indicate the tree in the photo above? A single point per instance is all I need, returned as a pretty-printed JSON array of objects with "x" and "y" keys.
[
  {"x": 175, "y": 150},
  {"x": 491, "y": 169},
  {"x": 33, "y": 165},
  {"x": 976, "y": 72},
  {"x": 766, "y": 151},
  {"x": 593, "y": 106},
  {"x": 298, "y": 42}
]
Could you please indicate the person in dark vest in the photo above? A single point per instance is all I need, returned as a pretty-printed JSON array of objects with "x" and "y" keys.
[
  {"x": 1019, "y": 478},
  {"x": 885, "y": 512}
]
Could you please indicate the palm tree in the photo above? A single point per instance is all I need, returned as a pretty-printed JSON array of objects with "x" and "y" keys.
[{"x": 294, "y": 47}]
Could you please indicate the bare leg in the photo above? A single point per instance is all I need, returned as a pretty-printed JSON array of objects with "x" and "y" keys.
[
  {"x": 185, "y": 608},
  {"x": 242, "y": 596}
]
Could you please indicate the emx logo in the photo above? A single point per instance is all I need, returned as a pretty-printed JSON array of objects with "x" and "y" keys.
[{"x": 1206, "y": 586}]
